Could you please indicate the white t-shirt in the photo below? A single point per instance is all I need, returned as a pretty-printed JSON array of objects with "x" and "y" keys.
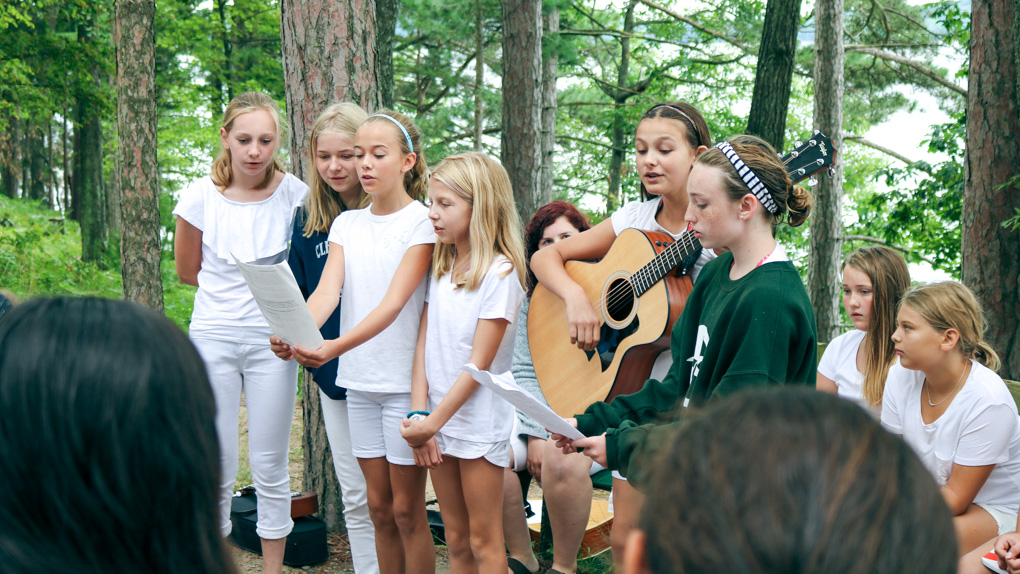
[
  {"x": 256, "y": 232},
  {"x": 373, "y": 247},
  {"x": 452, "y": 318},
  {"x": 839, "y": 364},
  {"x": 979, "y": 427},
  {"x": 641, "y": 215}
]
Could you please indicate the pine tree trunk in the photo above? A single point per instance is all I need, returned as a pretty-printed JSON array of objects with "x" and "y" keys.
[
  {"x": 385, "y": 29},
  {"x": 522, "y": 100},
  {"x": 550, "y": 73},
  {"x": 137, "y": 169},
  {"x": 93, "y": 200},
  {"x": 774, "y": 76},
  {"x": 826, "y": 240},
  {"x": 342, "y": 67},
  {"x": 320, "y": 476},
  {"x": 10, "y": 160},
  {"x": 479, "y": 86},
  {"x": 620, "y": 96},
  {"x": 991, "y": 253},
  {"x": 37, "y": 161}
]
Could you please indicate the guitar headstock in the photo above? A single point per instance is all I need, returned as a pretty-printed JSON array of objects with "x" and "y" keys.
[{"x": 810, "y": 157}]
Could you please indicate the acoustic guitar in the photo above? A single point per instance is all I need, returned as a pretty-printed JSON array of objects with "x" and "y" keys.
[{"x": 636, "y": 293}]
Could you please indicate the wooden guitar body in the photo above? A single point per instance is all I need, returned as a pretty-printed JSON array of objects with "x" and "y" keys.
[{"x": 635, "y": 329}]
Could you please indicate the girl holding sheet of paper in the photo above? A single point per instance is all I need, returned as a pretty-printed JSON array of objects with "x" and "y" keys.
[
  {"x": 243, "y": 208},
  {"x": 379, "y": 256},
  {"x": 478, "y": 277}
]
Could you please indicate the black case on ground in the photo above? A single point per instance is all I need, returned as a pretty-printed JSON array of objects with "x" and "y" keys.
[{"x": 306, "y": 544}]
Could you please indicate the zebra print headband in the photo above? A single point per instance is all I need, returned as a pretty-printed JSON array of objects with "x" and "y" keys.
[{"x": 750, "y": 178}]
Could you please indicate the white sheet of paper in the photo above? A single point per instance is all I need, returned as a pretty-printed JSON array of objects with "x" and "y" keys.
[
  {"x": 506, "y": 387},
  {"x": 279, "y": 298}
]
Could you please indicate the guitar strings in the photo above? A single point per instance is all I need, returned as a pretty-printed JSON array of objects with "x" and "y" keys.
[{"x": 628, "y": 289}]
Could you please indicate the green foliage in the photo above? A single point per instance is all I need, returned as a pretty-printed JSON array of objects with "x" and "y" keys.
[
  {"x": 40, "y": 255},
  {"x": 922, "y": 209}
]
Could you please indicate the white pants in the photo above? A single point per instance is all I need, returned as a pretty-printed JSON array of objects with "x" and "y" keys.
[
  {"x": 360, "y": 531},
  {"x": 269, "y": 386}
]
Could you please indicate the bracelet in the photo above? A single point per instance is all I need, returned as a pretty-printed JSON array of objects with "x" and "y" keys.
[{"x": 411, "y": 415}]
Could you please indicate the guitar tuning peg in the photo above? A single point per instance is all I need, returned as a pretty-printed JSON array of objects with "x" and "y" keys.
[
  {"x": 812, "y": 181},
  {"x": 832, "y": 171}
]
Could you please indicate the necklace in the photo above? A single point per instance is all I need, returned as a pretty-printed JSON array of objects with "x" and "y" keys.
[{"x": 927, "y": 388}]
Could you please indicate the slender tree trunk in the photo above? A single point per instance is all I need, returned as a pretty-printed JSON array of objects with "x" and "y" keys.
[
  {"x": 522, "y": 100},
  {"x": 342, "y": 68},
  {"x": 479, "y": 74},
  {"x": 550, "y": 73},
  {"x": 134, "y": 36},
  {"x": 825, "y": 245},
  {"x": 386, "y": 26},
  {"x": 66, "y": 154},
  {"x": 51, "y": 180},
  {"x": 10, "y": 162},
  {"x": 93, "y": 201},
  {"x": 226, "y": 78},
  {"x": 37, "y": 161},
  {"x": 991, "y": 253},
  {"x": 620, "y": 97},
  {"x": 774, "y": 76}
]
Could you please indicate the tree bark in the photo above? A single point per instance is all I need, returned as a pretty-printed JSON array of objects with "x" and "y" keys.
[
  {"x": 620, "y": 97},
  {"x": 341, "y": 67},
  {"x": 10, "y": 161},
  {"x": 991, "y": 253},
  {"x": 522, "y": 100},
  {"x": 93, "y": 201},
  {"x": 36, "y": 161},
  {"x": 774, "y": 75},
  {"x": 479, "y": 75},
  {"x": 320, "y": 475},
  {"x": 134, "y": 36},
  {"x": 825, "y": 245},
  {"x": 385, "y": 29},
  {"x": 550, "y": 73}
]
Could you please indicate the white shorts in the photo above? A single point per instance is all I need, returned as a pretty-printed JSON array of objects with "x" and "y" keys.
[
  {"x": 498, "y": 453},
  {"x": 1005, "y": 520},
  {"x": 375, "y": 425}
]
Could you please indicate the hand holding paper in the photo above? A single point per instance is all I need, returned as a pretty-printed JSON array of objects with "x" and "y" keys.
[
  {"x": 504, "y": 386},
  {"x": 278, "y": 297}
]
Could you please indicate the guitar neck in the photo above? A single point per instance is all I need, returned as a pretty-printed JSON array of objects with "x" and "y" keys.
[{"x": 665, "y": 262}]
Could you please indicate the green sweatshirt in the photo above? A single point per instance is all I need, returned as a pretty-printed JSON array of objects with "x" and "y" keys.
[{"x": 754, "y": 332}]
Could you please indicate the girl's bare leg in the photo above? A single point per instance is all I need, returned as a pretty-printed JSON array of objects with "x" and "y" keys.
[
  {"x": 446, "y": 479},
  {"x": 388, "y": 545},
  {"x": 408, "y": 487}
]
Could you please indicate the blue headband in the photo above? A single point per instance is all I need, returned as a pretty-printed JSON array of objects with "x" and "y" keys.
[
  {"x": 750, "y": 178},
  {"x": 403, "y": 130}
]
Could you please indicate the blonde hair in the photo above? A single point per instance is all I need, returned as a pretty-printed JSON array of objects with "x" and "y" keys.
[
  {"x": 416, "y": 179},
  {"x": 323, "y": 204},
  {"x": 221, "y": 172},
  {"x": 495, "y": 227},
  {"x": 890, "y": 278},
  {"x": 793, "y": 203},
  {"x": 951, "y": 305}
]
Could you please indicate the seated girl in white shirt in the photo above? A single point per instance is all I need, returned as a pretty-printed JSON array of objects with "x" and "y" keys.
[
  {"x": 949, "y": 405},
  {"x": 855, "y": 364}
]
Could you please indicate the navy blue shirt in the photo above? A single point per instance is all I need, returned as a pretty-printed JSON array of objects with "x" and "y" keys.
[{"x": 307, "y": 259}]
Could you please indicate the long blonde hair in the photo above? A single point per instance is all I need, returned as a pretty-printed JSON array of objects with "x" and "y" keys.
[
  {"x": 221, "y": 173},
  {"x": 890, "y": 278},
  {"x": 495, "y": 227},
  {"x": 951, "y": 305},
  {"x": 416, "y": 179},
  {"x": 323, "y": 204}
]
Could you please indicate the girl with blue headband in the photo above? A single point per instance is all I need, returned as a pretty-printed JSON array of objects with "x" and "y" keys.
[
  {"x": 380, "y": 256},
  {"x": 748, "y": 322}
]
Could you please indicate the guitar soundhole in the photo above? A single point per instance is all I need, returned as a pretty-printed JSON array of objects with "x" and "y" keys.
[{"x": 619, "y": 299}]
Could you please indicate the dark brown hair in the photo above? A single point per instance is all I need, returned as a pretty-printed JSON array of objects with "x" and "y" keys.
[
  {"x": 695, "y": 128},
  {"x": 792, "y": 481},
  {"x": 793, "y": 203}
]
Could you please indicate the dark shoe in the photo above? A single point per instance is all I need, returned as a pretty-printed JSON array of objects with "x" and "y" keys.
[{"x": 518, "y": 567}]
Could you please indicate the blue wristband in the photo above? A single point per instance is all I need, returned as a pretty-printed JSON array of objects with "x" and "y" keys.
[{"x": 423, "y": 413}]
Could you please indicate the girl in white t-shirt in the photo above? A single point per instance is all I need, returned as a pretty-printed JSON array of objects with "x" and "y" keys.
[
  {"x": 477, "y": 285},
  {"x": 244, "y": 209},
  {"x": 855, "y": 364},
  {"x": 380, "y": 256},
  {"x": 670, "y": 136},
  {"x": 946, "y": 401}
]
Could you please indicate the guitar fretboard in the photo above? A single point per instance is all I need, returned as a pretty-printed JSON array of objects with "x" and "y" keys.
[{"x": 665, "y": 262}]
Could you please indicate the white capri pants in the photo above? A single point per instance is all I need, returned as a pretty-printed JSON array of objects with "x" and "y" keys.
[
  {"x": 270, "y": 387},
  {"x": 353, "y": 491}
]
